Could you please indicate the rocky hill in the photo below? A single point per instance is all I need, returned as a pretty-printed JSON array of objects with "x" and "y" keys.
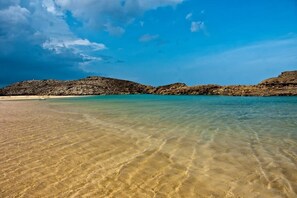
[
  {"x": 86, "y": 86},
  {"x": 283, "y": 85},
  {"x": 284, "y": 79}
]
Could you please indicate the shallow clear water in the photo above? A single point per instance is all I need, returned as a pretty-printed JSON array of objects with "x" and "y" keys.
[
  {"x": 273, "y": 116},
  {"x": 155, "y": 146}
]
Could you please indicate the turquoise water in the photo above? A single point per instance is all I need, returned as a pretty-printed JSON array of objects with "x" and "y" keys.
[
  {"x": 269, "y": 115},
  {"x": 235, "y": 145}
]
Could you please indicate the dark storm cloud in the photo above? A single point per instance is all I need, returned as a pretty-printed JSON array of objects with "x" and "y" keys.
[{"x": 22, "y": 52}]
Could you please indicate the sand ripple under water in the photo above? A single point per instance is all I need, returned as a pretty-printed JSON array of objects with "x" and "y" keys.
[{"x": 50, "y": 150}]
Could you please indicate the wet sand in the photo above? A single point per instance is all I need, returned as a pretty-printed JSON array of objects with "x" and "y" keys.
[{"x": 48, "y": 151}]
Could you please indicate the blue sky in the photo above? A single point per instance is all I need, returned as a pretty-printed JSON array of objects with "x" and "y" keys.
[{"x": 149, "y": 41}]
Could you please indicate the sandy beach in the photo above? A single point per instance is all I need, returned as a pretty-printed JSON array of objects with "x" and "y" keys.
[{"x": 51, "y": 149}]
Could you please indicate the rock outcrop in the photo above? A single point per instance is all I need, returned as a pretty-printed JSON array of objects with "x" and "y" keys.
[
  {"x": 283, "y": 85},
  {"x": 284, "y": 79},
  {"x": 87, "y": 86}
]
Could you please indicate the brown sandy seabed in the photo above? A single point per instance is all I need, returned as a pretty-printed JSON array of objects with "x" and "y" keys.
[{"x": 51, "y": 152}]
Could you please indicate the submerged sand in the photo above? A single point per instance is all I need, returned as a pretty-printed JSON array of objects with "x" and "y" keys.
[{"x": 46, "y": 151}]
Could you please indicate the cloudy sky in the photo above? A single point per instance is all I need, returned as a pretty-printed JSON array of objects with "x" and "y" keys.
[{"x": 150, "y": 41}]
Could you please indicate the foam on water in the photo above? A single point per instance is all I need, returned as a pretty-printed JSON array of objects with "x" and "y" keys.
[{"x": 149, "y": 146}]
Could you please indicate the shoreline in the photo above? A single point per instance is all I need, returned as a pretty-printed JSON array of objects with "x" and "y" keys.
[
  {"x": 44, "y": 97},
  {"x": 32, "y": 97}
]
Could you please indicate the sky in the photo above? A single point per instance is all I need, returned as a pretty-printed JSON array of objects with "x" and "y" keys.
[{"x": 153, "y": 42}]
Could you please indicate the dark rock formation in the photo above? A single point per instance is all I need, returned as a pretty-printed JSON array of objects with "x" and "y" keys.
[
  {"x": 173, "y": 89},
  {"x": 284, "y": 79},
  {"x": 86, "y": 86},
  {"x": 283, "y": 85}
]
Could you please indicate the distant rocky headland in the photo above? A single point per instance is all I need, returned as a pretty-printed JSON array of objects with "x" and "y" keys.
[{"x": 283, "y": 85}]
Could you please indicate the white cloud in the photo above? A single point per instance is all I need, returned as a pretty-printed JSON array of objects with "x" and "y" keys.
[
  {"x": 14, "y": 14},
  {"x": 153, "y": 4},
  {"x": 148, "y": 37},
  {"x": 189, "y": 16},
  {"x": 114, "y": 30},
  {"x": 36, "y": 40},
  {"x": 196, "y": 26},
  {"x": 85, "y": 42},
  {"x": 75, "y": 44},
  {"x": 45, "y": 21},
  {"x": 51, "y": 7},
  {"x": 98, "y": 13},
  {"x": 88, "y": 58}
]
